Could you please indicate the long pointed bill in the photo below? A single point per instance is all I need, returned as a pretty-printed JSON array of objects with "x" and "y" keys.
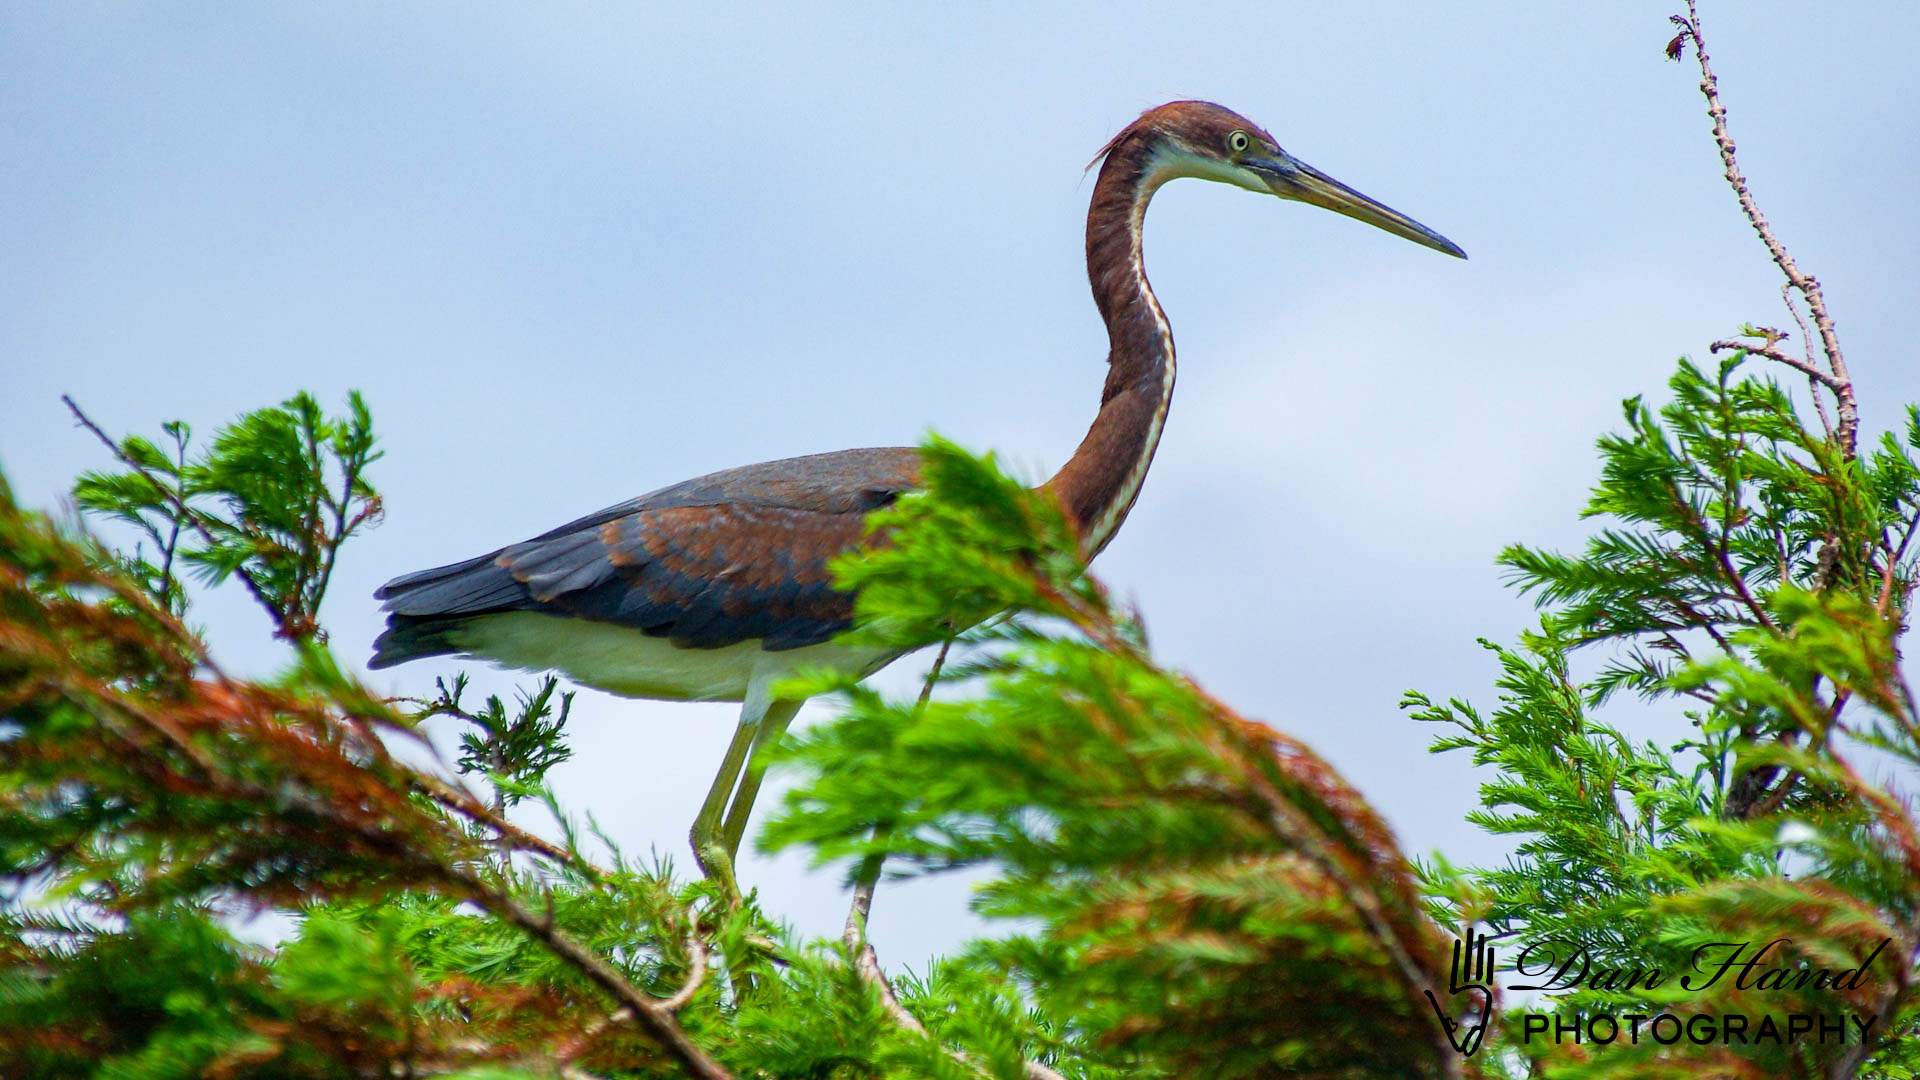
[{"x": 1290, "y": 178}]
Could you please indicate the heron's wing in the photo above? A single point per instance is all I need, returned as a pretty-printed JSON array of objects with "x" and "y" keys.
[
  {"x": 739, "y": 555},
  {"x": 705, "y": 576}
]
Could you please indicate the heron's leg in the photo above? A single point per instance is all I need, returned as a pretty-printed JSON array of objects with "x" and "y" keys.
[
  {"x": 773, "y": 725},
  {"x": 709, "y": 849}
]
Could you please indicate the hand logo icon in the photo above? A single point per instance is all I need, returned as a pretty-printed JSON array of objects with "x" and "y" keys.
[{"x": 1473, "y": 976}]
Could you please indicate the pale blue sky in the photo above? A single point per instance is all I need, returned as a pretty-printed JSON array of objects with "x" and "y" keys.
[{"x": 574, "y": 253}]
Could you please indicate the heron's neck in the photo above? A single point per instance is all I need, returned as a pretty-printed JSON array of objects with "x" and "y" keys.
[{"x": 1099, "y": 484}]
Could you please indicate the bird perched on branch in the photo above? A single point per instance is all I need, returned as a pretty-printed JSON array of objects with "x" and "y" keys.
[{"x": 716, "y": 588}]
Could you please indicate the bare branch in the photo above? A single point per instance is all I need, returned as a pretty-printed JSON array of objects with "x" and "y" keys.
[
  {"x": 1806, "y": 284},
  {"x": 571, "y": 1050},
  {"x": 1774, "y": 354},
  {"x": 696, "y": 975}
]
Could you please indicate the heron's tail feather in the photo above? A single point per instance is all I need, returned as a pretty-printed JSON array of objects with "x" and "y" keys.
[
  {"x": 426, "y": 608},
  {"x": 464, "y": 588},
  {"x": 413, "y": 639}
]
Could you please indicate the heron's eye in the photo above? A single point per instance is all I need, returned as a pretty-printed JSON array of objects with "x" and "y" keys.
[{"x": 1238, "y": 142}]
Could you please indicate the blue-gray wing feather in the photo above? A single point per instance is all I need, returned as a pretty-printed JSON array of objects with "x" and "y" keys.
[{"x": 738, "y": 555}]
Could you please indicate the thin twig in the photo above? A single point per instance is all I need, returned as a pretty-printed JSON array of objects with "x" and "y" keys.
[
  {"x": 574, "y": 1048},
  {"x": 1811, "y": 371},
  {"x": 696, "y": 975},
  {"x": 867, "y": 963},
  {"x": 1718, "y": 546},
  {"x": 173, "y": 532},
  {"x": 341, "y": 528},
  {"x": 308, "y": 538},
  {"x": 1898, "y": 553},
  {"x": 285, "y": 627},
  {"x": 469, "y": 806},
  {"x": 1806, "y": 349},
  {"x": 868, "y": 876},
  {"x": 865, "y": 960}
]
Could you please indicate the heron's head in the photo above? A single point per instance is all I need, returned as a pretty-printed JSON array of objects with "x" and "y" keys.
[{"x": 1201, "y": 139}]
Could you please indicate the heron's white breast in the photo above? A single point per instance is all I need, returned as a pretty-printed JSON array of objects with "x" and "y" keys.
[{"x": 626, "y": 662}]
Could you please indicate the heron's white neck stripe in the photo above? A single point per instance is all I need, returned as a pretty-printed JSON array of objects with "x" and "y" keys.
[{"x": 1159, "y": 170}]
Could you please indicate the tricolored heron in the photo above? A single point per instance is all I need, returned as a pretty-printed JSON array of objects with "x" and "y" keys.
[{"x": 716, "y": 588}]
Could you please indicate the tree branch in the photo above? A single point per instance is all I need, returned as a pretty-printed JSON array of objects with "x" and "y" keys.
[
  {"x": 1841, "y": 382},
  {"x": 1774, "y": 354}
]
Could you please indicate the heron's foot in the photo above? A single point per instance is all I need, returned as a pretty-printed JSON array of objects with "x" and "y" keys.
[{"x": 716, "y": 863}]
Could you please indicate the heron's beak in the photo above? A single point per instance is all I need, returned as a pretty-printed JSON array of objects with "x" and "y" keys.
[{"x": 1291, "y": 178}]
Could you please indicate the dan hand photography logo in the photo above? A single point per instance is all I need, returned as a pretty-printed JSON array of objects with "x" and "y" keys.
[
  {"x": 1466, "y": 1007},
  {"x": 1471, "y": 984}
]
